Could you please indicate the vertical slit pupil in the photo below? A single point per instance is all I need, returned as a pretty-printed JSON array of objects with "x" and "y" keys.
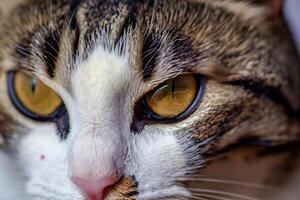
[
  {"x": 33, "y": 85},
  {"x": 173, "y": 88}
]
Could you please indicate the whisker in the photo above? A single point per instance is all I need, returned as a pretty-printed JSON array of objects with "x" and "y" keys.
[
  {"x": 241, "y": 196},
  {"x": 213, "y": 196},
  {"x": 230, "y": 182},
  {"x": 201, "y": 178},
  {"x": 197, "y": 197}
]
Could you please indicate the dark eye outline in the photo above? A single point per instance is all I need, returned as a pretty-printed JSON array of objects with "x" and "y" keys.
[
  {"x": 58, "y": 113},
  {"x": 148, "y": 114}
]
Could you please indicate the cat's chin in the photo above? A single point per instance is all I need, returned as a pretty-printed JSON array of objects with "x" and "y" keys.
[{"x": 11, "y": 180}]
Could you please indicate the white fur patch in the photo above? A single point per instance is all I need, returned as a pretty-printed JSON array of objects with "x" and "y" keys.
[
  {"x": 98, "y": 78},
  {"x": 12, "y": 180},
  {"x": 98, "y": 138}
]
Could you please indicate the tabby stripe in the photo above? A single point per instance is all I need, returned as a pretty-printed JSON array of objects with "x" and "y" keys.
[
  {"x": 217, "y": 124},
  {"x": 274, "y": 94},
  {"x": 131, "y": 19},
  {"x": 51, "y": 51},
  {"x": 150, "y": 55},
  {"x": 73, "y": 13},
  {"x": 74, "y": 26},
  {"x": 22, "y": 50}
]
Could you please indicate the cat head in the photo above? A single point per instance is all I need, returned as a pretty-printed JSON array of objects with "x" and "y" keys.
[{"x": 128, "y": 99}]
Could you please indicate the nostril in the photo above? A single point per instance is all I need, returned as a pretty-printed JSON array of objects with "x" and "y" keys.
[{"x": 95, "y": 190}]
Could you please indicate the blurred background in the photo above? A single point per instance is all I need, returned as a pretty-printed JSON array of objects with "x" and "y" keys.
[{"x": 292, "y": 14}]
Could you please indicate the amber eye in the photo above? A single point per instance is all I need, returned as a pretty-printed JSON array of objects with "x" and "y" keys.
[
  {"x": 175, "y": 98},
  {"x": 32, "y": 97}
]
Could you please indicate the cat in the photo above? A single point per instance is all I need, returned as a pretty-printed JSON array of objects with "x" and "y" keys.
[{"x": 123, "y": 99}]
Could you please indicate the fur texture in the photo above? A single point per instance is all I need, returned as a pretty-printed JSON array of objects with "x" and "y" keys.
[{"x": 101, "y": 68}]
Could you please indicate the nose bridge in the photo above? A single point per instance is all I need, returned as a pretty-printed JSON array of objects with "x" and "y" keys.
[
  {"x": 94, "y": 153},
  {"x": 99, "y": 124},
  {"x": 97, "y": 150}
]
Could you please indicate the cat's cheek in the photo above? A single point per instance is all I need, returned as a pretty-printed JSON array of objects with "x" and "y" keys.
[
  {"x": 39, "y": 148},
  {"x": 159, "y": 157}
]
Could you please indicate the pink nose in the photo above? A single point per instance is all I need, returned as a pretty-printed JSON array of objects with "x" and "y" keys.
[{"x": 95, "y": 190}]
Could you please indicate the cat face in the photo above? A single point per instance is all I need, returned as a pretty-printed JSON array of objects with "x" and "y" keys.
[{"x": 127, "y": 100}]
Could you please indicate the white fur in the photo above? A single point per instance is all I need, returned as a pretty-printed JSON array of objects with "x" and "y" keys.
[
  {"x": 98, "y": 141},
  {"x": 12, "y": 181},
  {"x": 49, "y": 177},
  {"x": 159, "y": 155}
]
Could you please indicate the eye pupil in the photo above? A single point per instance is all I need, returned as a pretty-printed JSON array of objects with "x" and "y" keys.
[
  {"x": 33, "y": 85},
  {"x": 173, "y": 91}
]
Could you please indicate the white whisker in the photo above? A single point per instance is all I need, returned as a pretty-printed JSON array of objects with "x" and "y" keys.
[
  {"x": 241, "y": 196},
  {"x": 213, "y": 196}
]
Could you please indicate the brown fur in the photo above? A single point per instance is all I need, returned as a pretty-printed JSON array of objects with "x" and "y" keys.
[
  {"x": 225, "y": 46},
  {"x": 125, "y": 189}
]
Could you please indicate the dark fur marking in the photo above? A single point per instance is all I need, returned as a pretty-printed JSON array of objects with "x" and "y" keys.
[
  {"x": 291, "y": 147},
  {"x": 182, "y": 49},
  {"x": 274, "y": 94},
  {"x": 74, "y": 26},
  {"x": 75, "y": 44},
  {"x": 23, "y": 50},
  {"x": 217, "y": 124},
  {"x": 51, "y": 51},
  {"x": 130, "y": 21},
  {"x": 151, "y": 3},
  {"x": 132, "y": 194},
  {"x": 132, "y": 18},
  {"x": 136, "y": 183},
  {"x": 150, "y": 55},
  {"x": 137, "y": 125},
  {"x": 73, "y": 12},
  {"x": 63, "y": 125}
]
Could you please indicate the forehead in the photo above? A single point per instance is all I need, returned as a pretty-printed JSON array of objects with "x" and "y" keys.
[
  {"x": 175, "y": 25},
  {"x": 179, "y": 31},
  {"x": 161, "y": 39}
]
